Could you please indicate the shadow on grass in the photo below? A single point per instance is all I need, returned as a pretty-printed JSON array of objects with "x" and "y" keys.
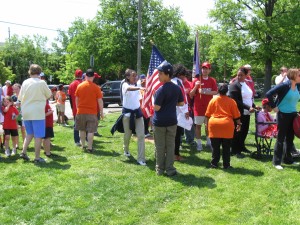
[
  {"x": 262, "y": 158},
  {"x": 53, "y": 165},
  {"x": 98, "y": 152},
  {"x": 57, "y": 148},
  {"x": 58, "y": 158},
  {"x": 244, "y": 171},
  {"x": 192, "y": 180},
  {"x": 11, "y": 159}
]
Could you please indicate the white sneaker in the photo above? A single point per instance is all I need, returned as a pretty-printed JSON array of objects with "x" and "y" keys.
[
  {"x": 199, "y": 147},
  {"x": 14, "y": 151},
  {"x": 7, "y": 152},
  {"x": 279, "y": 167},
  {"x": 78, "y": 144},
  {"x": 295, "y": 163},
  {"x": 142, "y": 163},
  {"x": 127, "y": 154},
  {"x": 147, "y": 135}
]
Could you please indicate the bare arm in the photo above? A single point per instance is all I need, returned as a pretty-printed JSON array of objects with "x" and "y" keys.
[
  {"x": 76, "y": 101},
  {"x": 157, "y": 107},
  {"x": 180, "y": 103},
  {"x": 100, "y": 103}
]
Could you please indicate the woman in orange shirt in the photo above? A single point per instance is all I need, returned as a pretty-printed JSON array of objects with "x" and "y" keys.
[{"x": 221, "y": 116}]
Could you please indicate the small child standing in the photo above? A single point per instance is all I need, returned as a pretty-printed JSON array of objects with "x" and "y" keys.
[
  {"x": 10, "y": 126},
  {"x": 49, "y": 129},
  {"x": 60, "y": 105}
]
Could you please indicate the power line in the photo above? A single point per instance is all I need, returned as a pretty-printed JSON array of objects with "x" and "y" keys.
[{"x": 24, "y": 25}]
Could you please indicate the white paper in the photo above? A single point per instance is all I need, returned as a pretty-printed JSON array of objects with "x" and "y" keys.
[{"x": 183, "y": 122}]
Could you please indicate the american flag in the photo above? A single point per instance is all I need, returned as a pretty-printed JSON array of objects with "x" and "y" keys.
[
  {"x": 196, "y": 60},
  {"x": 152, "y": 81}
]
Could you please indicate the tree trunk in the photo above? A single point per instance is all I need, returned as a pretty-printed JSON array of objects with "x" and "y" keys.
[{"x": 268, "y": 75}]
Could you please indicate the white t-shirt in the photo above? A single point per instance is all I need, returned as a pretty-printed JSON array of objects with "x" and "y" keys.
[
  {"x": 247, "y": 96},
  {"x": 131, "y": 99},
  {"x": 33, "y": 95},
  {"x": 279, "y": 78},
  {"x": 4, "y": 90}
]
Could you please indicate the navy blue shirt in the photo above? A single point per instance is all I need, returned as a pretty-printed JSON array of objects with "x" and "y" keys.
[{"x": 167, "y": 97}]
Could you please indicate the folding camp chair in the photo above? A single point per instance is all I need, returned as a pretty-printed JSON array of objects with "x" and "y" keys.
[{"x": 263, "y": 143}]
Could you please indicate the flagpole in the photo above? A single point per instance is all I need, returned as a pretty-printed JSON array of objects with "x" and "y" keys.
[{"x": 139, "y": 57}]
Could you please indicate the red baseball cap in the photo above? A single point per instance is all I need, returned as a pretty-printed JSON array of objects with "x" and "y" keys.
[
  {"x": 96, "y": 75},
  {"x": 265, "y": 101},
  {"x": 78, "y": 73},
  {"x": 206, "y": 65}
]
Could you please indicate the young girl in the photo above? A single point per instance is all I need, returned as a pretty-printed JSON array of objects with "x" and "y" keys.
[
  {"x": 267, "y": 130},
  {"x": 49, "y": 129},
  {"x": 10, "y": 126}
]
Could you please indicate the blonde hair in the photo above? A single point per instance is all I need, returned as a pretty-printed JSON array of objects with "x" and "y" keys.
[
  {"x": 34, "y": 69},
  {"x": 292, "y": 74}
]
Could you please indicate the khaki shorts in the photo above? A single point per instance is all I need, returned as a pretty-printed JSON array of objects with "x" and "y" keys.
[
  {"x": 199, "y": 120},
  {"x": 86, "y": 122},
  {"x": 60, "y": 107}
]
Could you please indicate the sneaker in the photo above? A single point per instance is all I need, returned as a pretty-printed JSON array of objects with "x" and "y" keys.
[
  {"x": 228, "y": 167},
  {"x": 127, "y": 154},
  {"x": 65, "y": 125},
  {"x": 142, "y": 163},
  {"x": 14, "y": 151},
  {"x": 77, "y": 144},
  {"x": 7, "y": 152},
  {"x": 147, "y": 135},
  {"x": 208, "y": 143},
  {"x": 24, "y": 156},
  {"x": 40, "y": 160},
  {"x": 213, "y": 166},
  {"x": 295, "y": 163},
  {"x": 199, "y": 147},
  {"x": 279, "y": 167}
]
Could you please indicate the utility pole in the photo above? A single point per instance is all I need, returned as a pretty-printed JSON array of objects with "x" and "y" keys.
[
  {"x": 139, "y": 37},
  {"x": 9, "y": 34}
]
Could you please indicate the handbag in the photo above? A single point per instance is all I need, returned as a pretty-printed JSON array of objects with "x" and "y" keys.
[{"x": 296, "y": 125}]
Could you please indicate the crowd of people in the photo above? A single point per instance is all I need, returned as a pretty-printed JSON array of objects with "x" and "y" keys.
[{"x": 181, "y": 105}]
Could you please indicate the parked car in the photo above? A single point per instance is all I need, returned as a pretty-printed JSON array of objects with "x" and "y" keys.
[{"x": 111, "y": 93}]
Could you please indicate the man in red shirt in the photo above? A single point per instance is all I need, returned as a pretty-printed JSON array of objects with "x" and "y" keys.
[
  {"x": 71, "y": 92},
  {"x": 204, "y": 87},
  {"x": 88, "y": 98}
]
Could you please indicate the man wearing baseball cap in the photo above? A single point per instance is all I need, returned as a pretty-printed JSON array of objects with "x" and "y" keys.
[
  {"x": 87, "y": 95},
  {"x": 72, "y": 89},
  {"x": 204, "y": 87}
]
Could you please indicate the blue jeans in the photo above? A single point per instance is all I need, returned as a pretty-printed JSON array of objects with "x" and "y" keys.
[{"x": 190, "y": 135}]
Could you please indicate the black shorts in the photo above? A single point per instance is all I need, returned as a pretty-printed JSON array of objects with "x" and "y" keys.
[
  {"x": 49, "y": 132},
  {"x": 11, "y": 132}
]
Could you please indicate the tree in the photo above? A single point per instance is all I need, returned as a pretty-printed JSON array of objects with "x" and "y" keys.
[
  {"x": 111, "y": 37},
  {"x": 262, "y": 32}
]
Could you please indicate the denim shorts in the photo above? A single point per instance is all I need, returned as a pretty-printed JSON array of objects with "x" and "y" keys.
[{"x": 35, "y": 127}]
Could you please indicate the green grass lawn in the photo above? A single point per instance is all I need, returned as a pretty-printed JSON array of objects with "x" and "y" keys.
[{"x": 108, "y": 188}]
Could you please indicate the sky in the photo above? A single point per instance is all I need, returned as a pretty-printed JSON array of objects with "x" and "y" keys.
[{"x": 59, "y": 14}]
